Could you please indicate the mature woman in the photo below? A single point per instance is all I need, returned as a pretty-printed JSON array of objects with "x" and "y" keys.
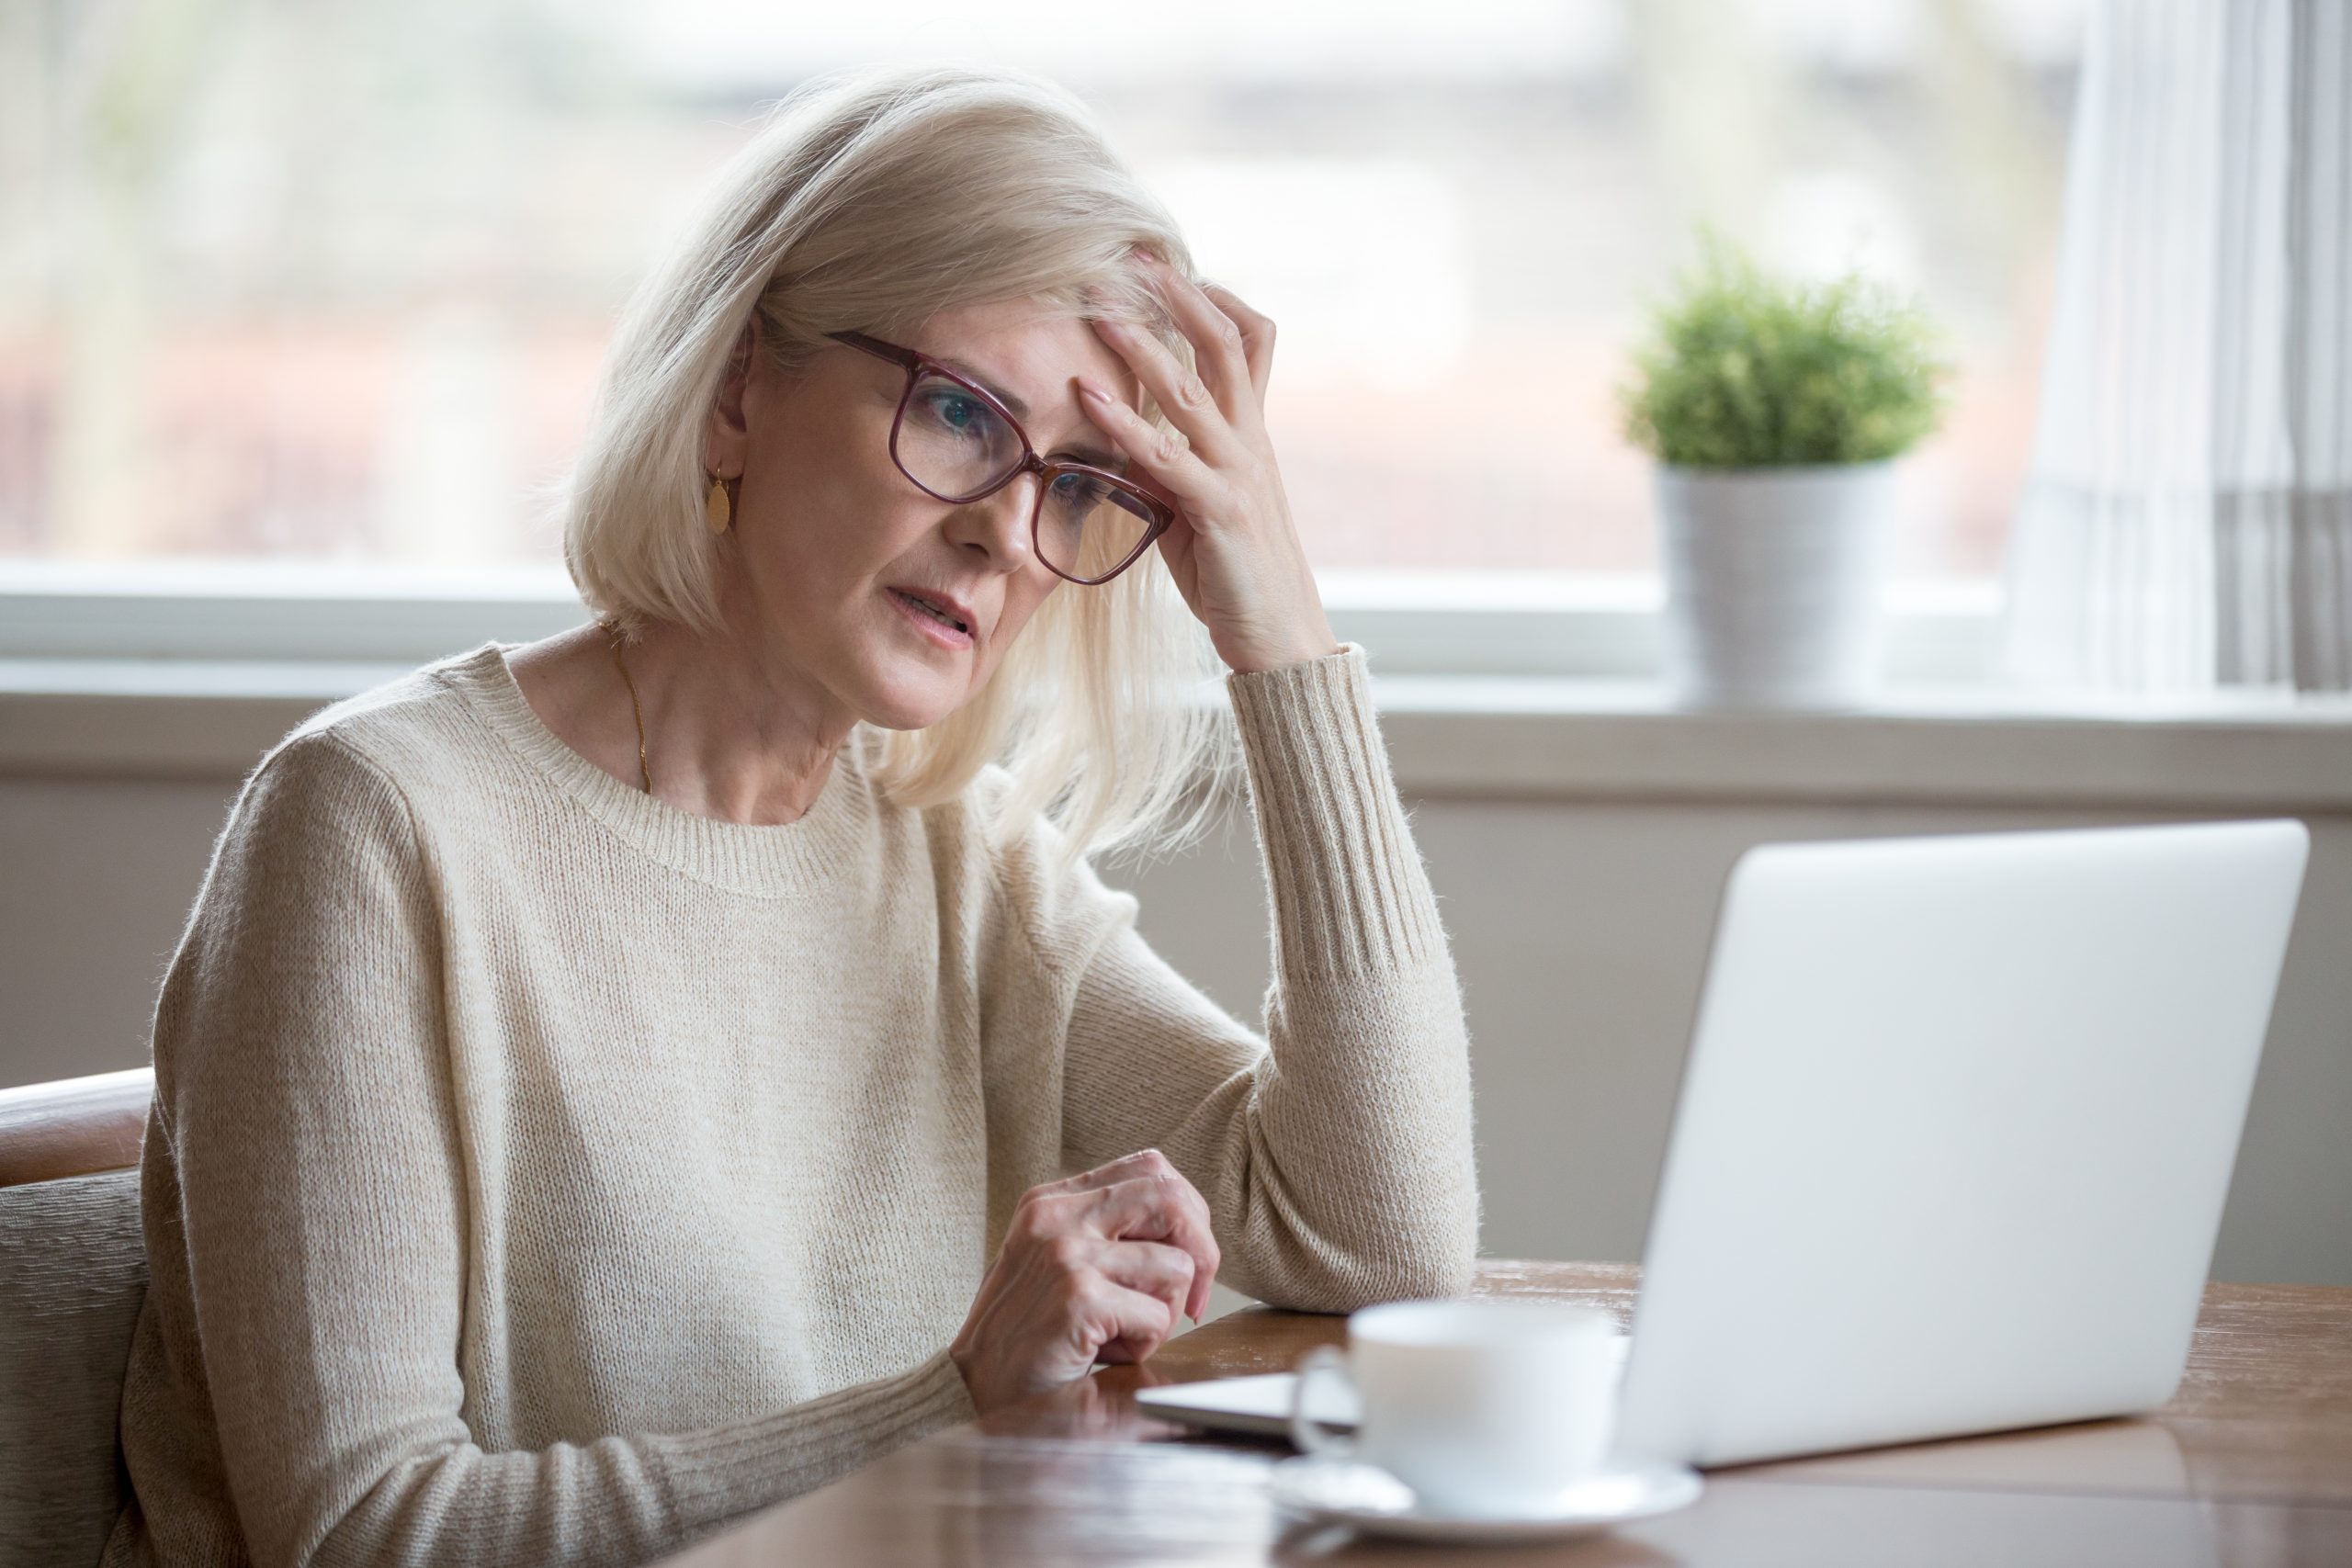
[{"x": 612, "y": 1084}]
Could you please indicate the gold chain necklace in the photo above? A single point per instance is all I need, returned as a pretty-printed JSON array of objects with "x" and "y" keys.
[{"x": 644, "y": 772}]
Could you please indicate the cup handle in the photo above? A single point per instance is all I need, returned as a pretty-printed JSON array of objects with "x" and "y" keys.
[{"x": 1325, "y": 1361}]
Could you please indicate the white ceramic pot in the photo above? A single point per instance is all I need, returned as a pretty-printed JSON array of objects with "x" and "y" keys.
[{"x": 1772, "y": 582}]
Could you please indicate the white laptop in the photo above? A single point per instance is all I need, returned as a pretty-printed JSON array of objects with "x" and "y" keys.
[{"x": 1955, "y": 1134}]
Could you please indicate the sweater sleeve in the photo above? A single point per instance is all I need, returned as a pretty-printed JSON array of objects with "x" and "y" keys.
[
  {"x": 307, "y": 1094},
  {"x": 1334, "y": 1150}
]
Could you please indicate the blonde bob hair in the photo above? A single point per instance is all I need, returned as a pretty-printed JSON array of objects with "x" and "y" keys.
[{"x": 871, "y": 200}]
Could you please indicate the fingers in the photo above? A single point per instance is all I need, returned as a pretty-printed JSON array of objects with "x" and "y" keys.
[
  {"x": 1097, "y": 1266},
  {"x": 1140, "y": 1197},
  {"x": 1218, "y": 338},
  {"x": 1214, "y": 413},
  {"x": 1115, "y": 1301},
  {"x": 1150, "y": 1268},
  {"x": 1164, "y": 1209},
  {"x": 1112, "y": 1323},
  {"x": 1166, "y": 457},
  {"x": 1181, "y": 394},
  {"x": 1257, "y": 335},
  {"x": 1143, "y": 1162}
]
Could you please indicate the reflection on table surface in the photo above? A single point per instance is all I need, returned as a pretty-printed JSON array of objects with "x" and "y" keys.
[{"x": 2251, "y": 1463}]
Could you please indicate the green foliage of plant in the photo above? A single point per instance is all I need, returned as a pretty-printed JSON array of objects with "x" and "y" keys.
[{"x": 1744, "y": 370}]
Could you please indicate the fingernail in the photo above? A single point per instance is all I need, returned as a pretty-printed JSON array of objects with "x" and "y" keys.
[{"x": 1091, "y": 391}]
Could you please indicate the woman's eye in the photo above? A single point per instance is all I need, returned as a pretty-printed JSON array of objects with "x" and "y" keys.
[
  {"x": 956, "y": 411},
  {"x": 1070, "y": 502}
]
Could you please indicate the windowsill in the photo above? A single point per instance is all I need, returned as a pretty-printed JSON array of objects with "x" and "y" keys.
[
  {"x": 1921, "y": 744},
  {"x": 1533, "y": 737}
]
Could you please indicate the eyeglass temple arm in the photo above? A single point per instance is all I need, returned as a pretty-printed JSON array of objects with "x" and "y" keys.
[{"x": 906, "y": 357}]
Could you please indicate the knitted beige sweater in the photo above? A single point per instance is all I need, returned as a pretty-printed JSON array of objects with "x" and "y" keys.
[{"x": 541, "y": 1174}]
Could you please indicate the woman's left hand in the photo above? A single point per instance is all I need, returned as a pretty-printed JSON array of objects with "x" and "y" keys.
[{"x": 1233, "y": 551}]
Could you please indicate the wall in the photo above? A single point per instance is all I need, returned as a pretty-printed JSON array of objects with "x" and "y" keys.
[{"x": 1580, "y": 913}]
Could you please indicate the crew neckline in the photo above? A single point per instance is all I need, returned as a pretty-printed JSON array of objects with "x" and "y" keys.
[{"x": 764, "y": 861}]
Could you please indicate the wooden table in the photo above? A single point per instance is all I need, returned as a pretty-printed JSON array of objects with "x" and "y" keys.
[{"x": 2250, "y": 1464}]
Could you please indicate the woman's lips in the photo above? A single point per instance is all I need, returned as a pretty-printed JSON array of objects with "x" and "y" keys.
[{"x": 938, "y": 631}]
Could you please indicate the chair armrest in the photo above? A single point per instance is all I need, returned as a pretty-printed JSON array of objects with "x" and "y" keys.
[{"x": 73, "y": 1126}]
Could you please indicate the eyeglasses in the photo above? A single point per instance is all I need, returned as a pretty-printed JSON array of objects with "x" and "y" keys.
[{"x": 958, "y": 443}]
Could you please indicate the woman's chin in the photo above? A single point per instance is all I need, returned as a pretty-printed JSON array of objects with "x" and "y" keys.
[{"x": 904, "y": 700}]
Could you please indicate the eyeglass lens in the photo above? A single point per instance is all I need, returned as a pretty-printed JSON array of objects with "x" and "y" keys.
[{"x": 955, "y": 445}]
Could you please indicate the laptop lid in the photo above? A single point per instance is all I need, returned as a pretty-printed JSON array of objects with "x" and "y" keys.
[{"x": 1955, "y": 1134}]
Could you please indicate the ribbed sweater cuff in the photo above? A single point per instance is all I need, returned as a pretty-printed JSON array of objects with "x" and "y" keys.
[
  {"x": 731, "y": 1470},
  {"x": 1348, "y": 890}
]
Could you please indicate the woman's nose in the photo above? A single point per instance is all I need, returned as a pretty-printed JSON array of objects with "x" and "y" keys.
[{"x": 997, "y": 524}]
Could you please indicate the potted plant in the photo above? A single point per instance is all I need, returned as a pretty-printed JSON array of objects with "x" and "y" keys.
[{"x": 1776, "y": 410}]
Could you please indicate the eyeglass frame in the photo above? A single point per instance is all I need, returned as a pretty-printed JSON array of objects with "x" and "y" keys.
[{"x": 917, "y": 365}]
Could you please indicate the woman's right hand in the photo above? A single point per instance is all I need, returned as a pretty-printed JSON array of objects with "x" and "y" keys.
[{"x": 1096, "y": 1268}]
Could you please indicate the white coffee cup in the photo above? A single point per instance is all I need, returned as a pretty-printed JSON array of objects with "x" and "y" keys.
[{"x": 1482, "y": 1407}]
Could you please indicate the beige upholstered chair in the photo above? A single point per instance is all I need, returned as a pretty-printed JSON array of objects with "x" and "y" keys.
[{"x": 72, "y": 1273}]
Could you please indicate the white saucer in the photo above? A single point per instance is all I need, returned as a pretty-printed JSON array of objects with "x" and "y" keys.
[{"x": 1377, "y": 1503}]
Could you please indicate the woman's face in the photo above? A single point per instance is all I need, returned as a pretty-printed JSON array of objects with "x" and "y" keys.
[{"x": 827, "y": 531}]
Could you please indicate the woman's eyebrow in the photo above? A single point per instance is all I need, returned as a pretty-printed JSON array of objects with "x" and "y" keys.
[
  {"x": 964, "y": 367},
  {"x": 1098, "y": 457}
]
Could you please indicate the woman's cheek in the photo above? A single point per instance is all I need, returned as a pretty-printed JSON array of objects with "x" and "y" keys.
[{"x": 1033, "y": 595}]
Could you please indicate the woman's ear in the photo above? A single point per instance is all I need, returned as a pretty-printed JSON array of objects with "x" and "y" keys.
[{"x": 724, "y": 442}]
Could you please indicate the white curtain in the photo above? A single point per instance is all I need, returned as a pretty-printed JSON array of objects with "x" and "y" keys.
[{"x": 2187, "y": 520}]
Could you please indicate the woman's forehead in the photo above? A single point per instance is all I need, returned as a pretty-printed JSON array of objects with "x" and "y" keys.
[{"x": 1026, "y": 352}]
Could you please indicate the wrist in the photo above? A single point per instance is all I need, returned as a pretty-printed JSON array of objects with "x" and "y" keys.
[
  {"x": 964, "y": 1351},
  {"x": 960, "y": 1357},
  {"x": 1258, "y": 662}
]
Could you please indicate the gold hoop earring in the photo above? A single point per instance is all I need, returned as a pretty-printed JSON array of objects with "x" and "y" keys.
[{"x": 716, "y": 508}]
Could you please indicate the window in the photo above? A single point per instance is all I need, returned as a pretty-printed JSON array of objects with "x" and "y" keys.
[{"x": 308, "y": 282}]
